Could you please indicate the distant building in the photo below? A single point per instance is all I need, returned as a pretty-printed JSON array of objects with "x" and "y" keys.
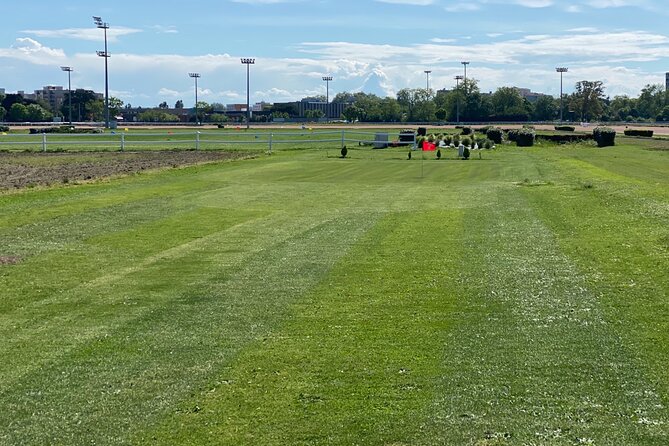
[
  {"x": 528, "y": 94},
  {"x": 50, "y": 94}
]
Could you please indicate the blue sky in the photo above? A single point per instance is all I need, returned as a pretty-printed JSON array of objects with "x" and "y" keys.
[{"x": 377, "y": 46}]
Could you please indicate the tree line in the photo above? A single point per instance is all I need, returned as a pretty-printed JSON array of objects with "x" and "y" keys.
[
  {"x": 464, "y": 103},
  {"x": 467, "y": 103}
]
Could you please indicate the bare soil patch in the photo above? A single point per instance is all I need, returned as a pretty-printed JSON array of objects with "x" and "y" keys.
[
  {"x": 20, "y": 170},
  {"x": 9, "y": 260}
]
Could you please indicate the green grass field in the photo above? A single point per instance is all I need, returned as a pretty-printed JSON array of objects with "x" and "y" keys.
[{"x": 303, "y": 299}]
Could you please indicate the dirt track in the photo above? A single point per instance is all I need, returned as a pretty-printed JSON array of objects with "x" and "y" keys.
[{"x": 19, "y": 170}]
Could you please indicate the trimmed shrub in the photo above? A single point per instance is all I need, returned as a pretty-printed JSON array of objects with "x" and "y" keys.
[
  {"x": 495, "y": 134},
  {"x": 484, "y": 130},
  {"x": 512, "y": 135},
  {"x": 525, "y": 137},
  {"x": 565, "y": 128},
  {"x": 467, "y": 130},
  {"x": 456, "y": 140},
  {"x": 420, "y": 140},
  {"x": 431, "y": 138},
  {"x": 4, "y": 128},
  {"x": 605, "y": 136},
  {"x": 447, "y": 139},
  {"x": 642, "y": 133},
  {"x": 438, "y": 154},
  {"x": 63, "y": 129},
  {"x": 344, "y": 152},
  {"x": 488, "y": 144},
  {"x": 465, "y": 153},
  {"x": 466, "y": 141},
  {"x": 563, "y": 139}
]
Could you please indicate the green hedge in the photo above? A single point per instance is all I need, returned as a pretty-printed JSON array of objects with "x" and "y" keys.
[
  {"x": 4, "y": 128},
  {"x": 643, "y": 133},
  {"x": 524, "y": 137},
  {"x": 495, "y": 134},
  {"x": 64, "y": 129},
  {"x": 565, "y": 128},
  {"x": 605, "y": 136},
  {"x": 563, "y": 139}
]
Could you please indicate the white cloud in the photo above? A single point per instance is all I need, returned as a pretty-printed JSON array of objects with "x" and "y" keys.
[
  {"x": 170, "y": 93},
  {"x": 29, "y": 50},
  {"x": 462, "y": 7},
  {"x": 90, "y": 34}
]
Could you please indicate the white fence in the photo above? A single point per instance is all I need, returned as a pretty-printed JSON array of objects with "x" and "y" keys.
[{"x": 207, "y": 140}]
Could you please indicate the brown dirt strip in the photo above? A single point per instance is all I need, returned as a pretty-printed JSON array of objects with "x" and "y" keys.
[{"x": 20, "y": 170}]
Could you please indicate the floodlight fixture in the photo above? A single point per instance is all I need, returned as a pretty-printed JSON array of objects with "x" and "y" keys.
[
  {"x": 327, "y": 80},
  {"x": 248, "y": 62},
  {"x": 104, "y": 26},
  {"x": 561, "y": 70},
  {"x": 195, "y": 76},
  {"x": 69, "y": 71}
]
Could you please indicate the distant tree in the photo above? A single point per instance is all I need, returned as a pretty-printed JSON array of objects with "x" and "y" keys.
[
  {"x": 115, "y": 106},
  {"x": 545, "y": 109},
  {"x": 18, "y": 113},
  {"x": 664, "y": 114},
  {"x": 94, "y": 110},
  {"x": 351, "y": 113},
  {"x": 37, "y": 113},
  {"x": 623, "y": 108},
  {"x": 508, "y": 105},
  {"x": 3, "y": 113},
  {"x": 163, "y": 105},
  {"x": 156, "y": 116},
  {"x": 588, "y": 100},
  {"x": 417, "y": 104},
  {"x": 344, "y": 98},
  {"x": 651, "y": 101},
  {"x": 179, "y": 104}
]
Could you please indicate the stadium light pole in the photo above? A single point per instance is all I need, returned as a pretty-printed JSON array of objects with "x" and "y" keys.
[
  {"x": 327, "y": 80},
  {"x": 105, "y": 26},
  {"x": 69, "y": 90},
  {"x": 248, "y": 62},
  {"x": 427, "y": 80},
  {"x": 195, "y": 76},
  {"x": 561, "y": 70},
  {"x": 458, "y": 78},
  {"x": 465, "y": 78}
]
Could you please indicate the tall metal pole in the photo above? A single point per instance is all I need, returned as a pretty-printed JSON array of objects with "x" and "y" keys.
[
  {"x": 105, "y": 26},
  {"x": 195, "y": 76},
  {"x": 69, "y": 90},
  {"x": 427, "y": 81},
  {"x": 458, "y": 78},
  {"x": 465, "y": 83},
  {"x": 561, "y": 70},
  {"x": 248, "y": 62},
  {"x": 327, "y": 80}
]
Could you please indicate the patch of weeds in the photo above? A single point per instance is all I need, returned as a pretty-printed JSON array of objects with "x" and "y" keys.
[
  {"x": 585, "y": 185},
  {"x": 533, "y": 183},
  {"x": 9, "y": 260}
]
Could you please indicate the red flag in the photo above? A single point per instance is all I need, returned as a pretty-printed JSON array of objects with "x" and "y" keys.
[{"x": 429, "y": 147}]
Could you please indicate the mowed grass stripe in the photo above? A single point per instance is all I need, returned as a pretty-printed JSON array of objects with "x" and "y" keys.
[
  {"x": 535, "y": 360},
  {"x": 623, "y": 245},
  {"x": 357, "y": 361},
  {"x": 149, "y": 342}
]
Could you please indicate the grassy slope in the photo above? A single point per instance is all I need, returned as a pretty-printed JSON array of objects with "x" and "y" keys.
[{"x": 309, "y": 300}]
